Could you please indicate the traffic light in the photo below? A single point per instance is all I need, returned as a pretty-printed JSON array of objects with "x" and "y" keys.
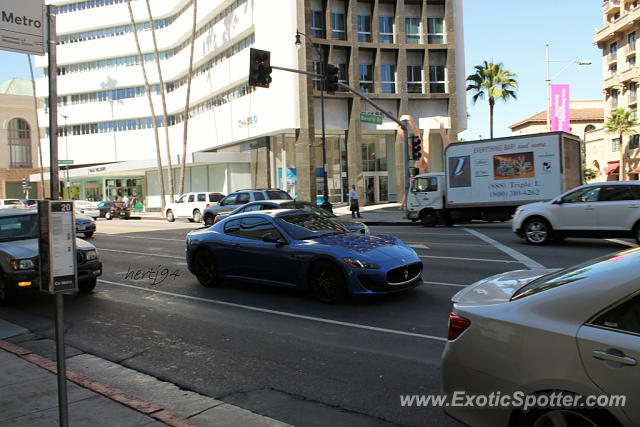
[
  {"x": 416, "y": 147},
  {"x": 259, "y": 68},
  {"x": 331, "y": 78}
]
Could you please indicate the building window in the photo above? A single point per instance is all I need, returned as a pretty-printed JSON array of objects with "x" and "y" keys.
[
  {"x": 615, "y": 144},
  {"x": 634, "y": 142},
  {"x": 317, "y": 68},
  {"x": 613, "y": 48},
  {"x": 387, "y": 78},
  {"x": 435, "y": 30},
  {"x": 633, "y": 92},
  {"x": 437, "y": 80},
  {"x": 19, "y": 135},
  {"x": 414, "y": 79},
  {"x": 337, "y": 26},
  {"x": 364, "y": 28},
  {"x": 343, "y": 73},
  {"x": 631, "y": 62},
  {"x": 317, "y": 24},
  {"x": 386, "y": 29},
  {"x": 412, "y": 28},
  {"x": 613, "y": 70},
  {"x": 366, "y": 78},
  {"x": 633, "y": 112},
  {"x": 614, "y": 98},
  {"x": 631, "y": 42}
]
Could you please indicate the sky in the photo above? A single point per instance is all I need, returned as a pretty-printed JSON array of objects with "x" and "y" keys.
[{"x": 513, "y": 32}]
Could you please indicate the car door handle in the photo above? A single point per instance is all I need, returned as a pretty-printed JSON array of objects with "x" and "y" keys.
[
  {"x": 236, "y": 245},
  {"x": 603, "y": 355}
]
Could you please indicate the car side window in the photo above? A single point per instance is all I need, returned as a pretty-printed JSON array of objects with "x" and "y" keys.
[
  {"x": 254, "y": 228},
  {"x": 615, "y": 193},
  {"x": 258, "y": 196},
  {"x": 624, "y": 317},
  {"x": 589, "y": 194},
  {"x": 243, "y": 198},
  {"x": 215, "y": 197},
  {"x": 421, "y": 185},
  {"x": 190, "y": 198},
  {"x": 635, "y": 190},
  {"x": 232, "y": 227},
  {"x": 101, "y": 204},
  {"x": 202, "y": 197},
  {"x": 182, "y": 198},
  {"x": 230, "y": 199},
  {"x": 252, "y": 208}
]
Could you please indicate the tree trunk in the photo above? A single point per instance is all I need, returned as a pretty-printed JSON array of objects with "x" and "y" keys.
[
  {"x": 35, "y": 106},
  {"x": 186, "y": 107},
  {"x": 491, "y": 103},
  {"x": 164, "y": 104},
  {"x": 163, "y": 200}
]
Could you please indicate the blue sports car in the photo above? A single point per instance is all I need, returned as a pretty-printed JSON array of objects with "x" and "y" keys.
[{"x": 295, "y": 248}]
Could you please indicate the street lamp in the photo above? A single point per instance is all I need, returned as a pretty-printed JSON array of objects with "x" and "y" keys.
[
  {"x": 579, "y": 62},
  {"x": 326, "y": 204},
  {"x": 66, "y": 149}
]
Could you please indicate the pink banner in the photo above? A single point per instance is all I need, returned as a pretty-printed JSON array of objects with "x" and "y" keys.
[{"x": 560, "y": 108}]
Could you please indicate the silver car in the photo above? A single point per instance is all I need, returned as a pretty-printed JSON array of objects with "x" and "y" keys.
[{"x": 531, "y": 333}]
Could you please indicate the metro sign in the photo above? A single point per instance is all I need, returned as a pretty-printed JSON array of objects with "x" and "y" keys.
[{"x": 22, "y": 26}]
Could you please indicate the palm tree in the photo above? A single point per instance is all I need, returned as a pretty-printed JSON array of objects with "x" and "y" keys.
[
  {"x": 164, "y": 103},
  {"x": 186, "y": 107},
  {"x": 620, "y": 123},
  {"x": 147, "y": 89},
  {"x": 494, "y": 81}
]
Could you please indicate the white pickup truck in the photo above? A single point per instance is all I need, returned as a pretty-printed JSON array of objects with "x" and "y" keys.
[{"x": 191, "y": 205}]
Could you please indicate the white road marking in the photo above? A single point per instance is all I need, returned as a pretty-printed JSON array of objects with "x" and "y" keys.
[
  {"x": 139, "y": 237},
  {"x": 141, "y": 253},
  {"x": 281, "y": 313},
  {"x": 523, "y": 259},
  {"x": 508, "y": 261},
  {"x": 445, "y": 284},
  {"x": 419, "y": 246},
  {"x": 622, "y": 242}
]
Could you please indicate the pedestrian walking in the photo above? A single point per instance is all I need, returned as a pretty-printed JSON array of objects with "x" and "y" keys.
[{"x": 353, "y": 200}]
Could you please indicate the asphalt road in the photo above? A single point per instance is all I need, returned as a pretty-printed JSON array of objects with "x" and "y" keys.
[{"x": 279, "y": 352}]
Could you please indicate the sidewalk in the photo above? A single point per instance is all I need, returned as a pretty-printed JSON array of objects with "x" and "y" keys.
[{"x": 101, "y": 393}]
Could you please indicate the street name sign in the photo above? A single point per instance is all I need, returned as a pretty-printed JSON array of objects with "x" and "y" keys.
[
  {"x": 371, "y": 118},
  {"x": 23, "y": 26},
  {"x": 65, "y": 162}
]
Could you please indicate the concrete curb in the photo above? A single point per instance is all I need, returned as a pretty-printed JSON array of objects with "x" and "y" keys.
[{"x": 142, "y": 406}]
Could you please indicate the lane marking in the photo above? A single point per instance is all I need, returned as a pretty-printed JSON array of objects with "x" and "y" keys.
[
  {"x": 445, "y": 284},
  {"x": 418, "y": 246},
  {"x": 281, "y": 313},
  {"x": 622, "y": 242},
  {"x": 141, "y": 253},
  {"x": 140, "y": 237},
  {"x": 508, "y": 261},
  {"x": 523, "y": 259}
]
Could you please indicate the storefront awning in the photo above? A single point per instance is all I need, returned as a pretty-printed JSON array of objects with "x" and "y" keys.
[
  {"x": 636, "y": 170},
  {"x": 611, "y": 168}
]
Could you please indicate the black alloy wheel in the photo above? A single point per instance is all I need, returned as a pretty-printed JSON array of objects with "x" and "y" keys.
[
  {"x": 428, "y": 218},
  {"x": 206, "y": 269},
  {"x": 327, "y": 283},
  {"x": 208, "y": 220},
  {"x": 88, "y": 286}
]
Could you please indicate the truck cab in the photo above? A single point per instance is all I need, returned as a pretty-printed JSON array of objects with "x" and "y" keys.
[{"x": 426, "y": 197}]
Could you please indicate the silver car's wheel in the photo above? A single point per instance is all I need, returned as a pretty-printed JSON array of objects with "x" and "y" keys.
[
  {"x": 197, "y": 217},
  {"x": 107, "y": 215},
  {"x": 208, "y": 220},
  {"x": 537, "y": 231},
  {"x": 170, "y": 216}
]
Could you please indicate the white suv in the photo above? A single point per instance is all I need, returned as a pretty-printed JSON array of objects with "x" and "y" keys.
[
  {"x": 191, "y": 205},
  {"x": 604, "y": 209}
]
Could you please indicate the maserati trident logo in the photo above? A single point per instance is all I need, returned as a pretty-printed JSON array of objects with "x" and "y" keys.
[{"x": 406, "y": 273}]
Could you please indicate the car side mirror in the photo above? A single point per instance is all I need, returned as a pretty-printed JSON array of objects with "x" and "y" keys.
[
  {"x": 557, "y": 202},
  {"x": 271, "y": 238}
]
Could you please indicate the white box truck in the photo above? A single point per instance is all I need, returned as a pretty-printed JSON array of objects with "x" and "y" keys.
[{"x": 489, "y": 179}]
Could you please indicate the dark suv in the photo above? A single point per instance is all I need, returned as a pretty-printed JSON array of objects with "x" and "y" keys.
[{"x": 241, "y": 197}]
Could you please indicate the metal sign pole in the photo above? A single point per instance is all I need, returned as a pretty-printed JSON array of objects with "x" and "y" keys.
[{"x": 63, "y": 410}]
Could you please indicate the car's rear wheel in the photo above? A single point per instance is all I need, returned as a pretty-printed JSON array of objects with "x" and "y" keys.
[
  {"x": 88, "y": 286},
  {"x": 636, "y": 232},
  {"x": 88, "y": 234},
  {"x": 108, "y": 215},
  {"x": 206, "y": 269},
  {"x": 327, "y": 283},
  {"x": 197, "y": 217},
  {"x": 537, "y": 231},
  {"x": 170, "y": 216}
]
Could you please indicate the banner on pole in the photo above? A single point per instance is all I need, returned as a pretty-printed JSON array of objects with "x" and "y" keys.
[{"x": 560, "y": 117}]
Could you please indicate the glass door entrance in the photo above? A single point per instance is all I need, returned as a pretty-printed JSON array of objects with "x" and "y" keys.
[{"x": 376, "y": 187}]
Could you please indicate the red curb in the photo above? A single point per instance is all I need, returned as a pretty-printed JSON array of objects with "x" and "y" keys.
[{"x": 142, "y": 406}]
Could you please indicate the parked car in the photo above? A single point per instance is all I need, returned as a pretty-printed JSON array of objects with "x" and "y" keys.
[
  {"x": 19, "y": 256},
  {"x": 574, "y": 331},
  {"x": 110, "y": 209},
  {"x": 349, "y": 224},
  {"x": 85, "y": 224},
  {"x": 605, "y": 209},
  {"x": 29, "y": 202},
  {"x": 299, "y": 249},
  {"x": 241, "y": 197},
  {"x": 191, "y": 205},
  {"x": 11, "y": 203},
  {"x": 88, "y": 208}
]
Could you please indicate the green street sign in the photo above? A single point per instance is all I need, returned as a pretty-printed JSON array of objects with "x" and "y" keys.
[
  {"x": 65, "y": 162},
  {"x": 370, "y": 118}
]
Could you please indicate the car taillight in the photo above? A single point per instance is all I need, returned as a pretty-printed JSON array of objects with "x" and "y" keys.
[
  {"x": 207, "y": 205},
  {"x": 457, "y": 325},
  {"x": 113, "y": 208}
]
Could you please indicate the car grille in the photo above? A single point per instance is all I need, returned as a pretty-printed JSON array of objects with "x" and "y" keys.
[
  {"x": 81, "y": 257},
  {"x": 404, "y": 274}
]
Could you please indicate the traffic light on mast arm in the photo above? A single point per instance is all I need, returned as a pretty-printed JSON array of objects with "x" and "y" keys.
[
  {"x": 416, "y": 148},
  {"x": 259, "y": 67},
  {"x": 331, "y": 78}
]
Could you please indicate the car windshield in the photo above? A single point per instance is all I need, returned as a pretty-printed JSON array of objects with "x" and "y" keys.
[
  {"x": 18, "y": 227},
  {"x": 278, "y": 195},
  {"x": 304, "y": 226},
  {"x": 309, "y": 208}
]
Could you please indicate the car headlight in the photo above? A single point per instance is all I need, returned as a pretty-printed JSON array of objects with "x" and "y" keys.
[
  {"x": 365, "y": 230},
  {"x": 22, "y": 264},
  {"x": 518, "y": 212},
  {"x": 359, "y": 263},
  {"x": 91, "y": 255}
]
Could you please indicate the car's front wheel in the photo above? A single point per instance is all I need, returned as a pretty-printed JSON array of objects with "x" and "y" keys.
[
  {"x": 208, "y": 220},
  {"x": 108, "y": 215},
  {"x": 197, "y": 217},
  {"x": 428, "y": 218},
  {"x": 636, "y": 232},
  {"x": 6, "y": 293},
  {"x": 88, "y": 234},
  {"x": 537, "y": 231},
  {"x": 170, "y": 216},
  {"x": 88, "y": 286},
  {"x": 566, "y": 417},
  {"x": 327, "y": 283},
  {"x": 206, "y": 269}
]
